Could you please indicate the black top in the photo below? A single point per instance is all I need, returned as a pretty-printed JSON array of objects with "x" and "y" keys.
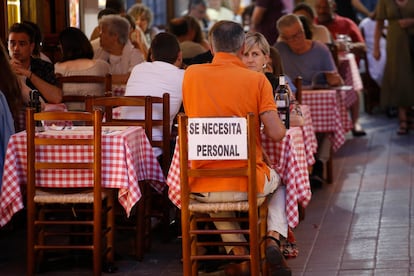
[{"x": 44, "y": 70}]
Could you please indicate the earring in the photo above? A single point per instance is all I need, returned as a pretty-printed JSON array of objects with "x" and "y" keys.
[{"x": 264, "y": 66}]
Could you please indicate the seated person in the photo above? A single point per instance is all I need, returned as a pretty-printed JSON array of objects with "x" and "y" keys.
[
  {"x": 198, "y": 10},
  {"x": 319, "y": 32},
  {"x": 37, "y": 51},
  {"x": 77, "y": 59},
  {"x": 259, "y": 57},
  {"x": 339, "y": 25},
  {"x": 303, "y": 57},
  {"x": 34, "y": 72},
  {"x": 14, "y": 90},
  {"x": 161, "y": 75},
  {"x": 143, "y": 17},
  {"x": 114, "y": 45},
  {"x": 188, "y": 33},
  {"x": 216, "y": 11},
  {"x": 308, "y": 59},
  {"x": 96, "y": 31},
  {"x": 206, "y": 94},
  {"x": 11, "y": 104},
  {"x": 7, "y": 129}
]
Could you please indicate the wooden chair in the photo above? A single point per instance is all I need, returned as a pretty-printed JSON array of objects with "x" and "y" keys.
[
  {"x": 119, "y": 82},
  {"x": 144, "y": 209},
  {"x": 193, "y": 212},
  {"x": 105, "y": 81},
  {"x": 120, "y": 79},
  {"x": 333, "y": 48},
  {"x": 298, "y": 84},
  {"x": 53, "y": 214}
]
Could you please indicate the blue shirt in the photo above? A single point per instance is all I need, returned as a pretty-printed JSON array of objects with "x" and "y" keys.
[
  {"x": 7, "y": 129},
  {"x": 310, "y": 65}
]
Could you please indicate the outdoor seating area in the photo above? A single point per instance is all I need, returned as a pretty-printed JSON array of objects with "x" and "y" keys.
[
  {"x": 349, "y": 228},
  {"x": 206, "y": 137}
]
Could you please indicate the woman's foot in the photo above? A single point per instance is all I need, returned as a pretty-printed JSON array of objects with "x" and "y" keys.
[{"x": 403, "y": 128}]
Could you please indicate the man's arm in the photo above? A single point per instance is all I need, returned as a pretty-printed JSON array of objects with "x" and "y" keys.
[
  {"x": 50, "y": 92},
  {"x": 273, "y": 126}
]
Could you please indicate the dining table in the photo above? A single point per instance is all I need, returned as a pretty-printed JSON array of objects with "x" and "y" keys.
[
  {"x": 349, "y": 71},
  {"x": 288, "y": 158},
  {"x": 329, "y": 114},
  {"x": 127, "y": 159},
  {"x": 309, "y": 136}
]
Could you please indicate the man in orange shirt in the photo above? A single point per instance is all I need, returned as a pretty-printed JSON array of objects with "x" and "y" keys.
[{"x": 226, "y": 87}]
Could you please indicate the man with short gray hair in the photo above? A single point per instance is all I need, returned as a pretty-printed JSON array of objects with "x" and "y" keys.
[
  {"x": 115, "y": 46},
  {"x": 226, "y": 87}
]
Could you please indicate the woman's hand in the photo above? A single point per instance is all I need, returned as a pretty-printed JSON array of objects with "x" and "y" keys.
[
  {"x": 376, "y": 53},
  {"x": 406, "y": 22}
]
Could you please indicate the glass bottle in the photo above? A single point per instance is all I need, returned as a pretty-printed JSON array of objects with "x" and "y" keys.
[{"x": 282, "y": 101}]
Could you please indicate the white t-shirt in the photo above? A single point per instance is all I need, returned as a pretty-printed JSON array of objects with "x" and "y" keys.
[{"x": 154, "y": 79}]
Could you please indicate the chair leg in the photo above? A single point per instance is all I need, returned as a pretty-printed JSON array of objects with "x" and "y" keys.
[
  {"x": 30, "y": 247},
  {"x": 110, "y": 224},
  {"x": 97, "y": 248},
  {"x": 263, "y": 232},
  {"x": 140, "y": 229},
  {"x": 329, "y": 167},
  {"x": 186, "y": 244}
]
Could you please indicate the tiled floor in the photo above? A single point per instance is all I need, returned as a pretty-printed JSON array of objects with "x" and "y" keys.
[{"x": 358, "y": 225}]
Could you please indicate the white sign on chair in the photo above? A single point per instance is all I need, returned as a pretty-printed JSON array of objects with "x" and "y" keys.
[{"x": 217, "y": 138}]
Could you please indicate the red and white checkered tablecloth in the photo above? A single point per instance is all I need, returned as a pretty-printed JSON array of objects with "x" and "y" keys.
[
  {"x": 349, "y": 71},
  {"x": 290, "y": 162},
  {"x": 118, "y": 90},
  {"x": 327, "y": 111},
  {"x": 343, "y": 97},
  {"x": 127, "y": 157},
  {"x": 309, "y": 137}
]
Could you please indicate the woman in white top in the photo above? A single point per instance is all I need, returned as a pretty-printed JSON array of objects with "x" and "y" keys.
[{"x": 77, "y": 59}]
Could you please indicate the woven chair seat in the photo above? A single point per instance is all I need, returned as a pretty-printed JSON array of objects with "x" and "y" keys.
[
  {"x": 50, "y": 197},
  {"x": 214, "y": 207}
]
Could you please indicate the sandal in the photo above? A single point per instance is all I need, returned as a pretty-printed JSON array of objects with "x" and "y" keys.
[
  {"x": 289, "y": 247},
  {"x": 403, "y": 129}
]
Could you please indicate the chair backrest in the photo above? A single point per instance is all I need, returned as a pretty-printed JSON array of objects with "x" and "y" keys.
[
  {"x": 119, "y": 82},
  {"x": 33, "y": 141},
  {"x": 148, "y": 122},
  {"x": 120, "y": 79},
  {"x": 35, "y": 164},
  {"x": 298, "y": 84},
  {"x": 249, "y": 171},
  {"x": 333, "y": 48},
  {"x": 106, "y": 82}
]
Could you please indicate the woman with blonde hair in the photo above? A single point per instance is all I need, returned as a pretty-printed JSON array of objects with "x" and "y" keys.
[
  {"x": 260, "y": 57},
  {"x": 143, "y": 17}
]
